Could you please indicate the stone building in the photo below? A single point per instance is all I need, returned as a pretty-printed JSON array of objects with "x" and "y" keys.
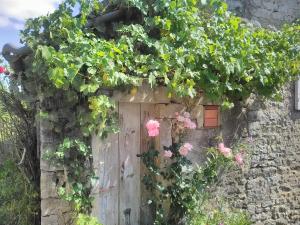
[{"x": 269, "y": 189}]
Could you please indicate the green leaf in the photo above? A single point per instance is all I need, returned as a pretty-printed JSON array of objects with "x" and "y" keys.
[
  {"x": 46, "y": 54},
  {"x": 92, "y": 70},
  {"x": 203, "y": 2},
  {"x": 57, "y": 76}
]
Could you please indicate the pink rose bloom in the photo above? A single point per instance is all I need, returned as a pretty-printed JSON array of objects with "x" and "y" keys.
[
  {"x": 153, "y": 128},
  {"x": 189, "y": 124},
  {"x": 221, "y": 146},
  {"x": 188, "y": 146},
  {"x": 168, "y": 154},
  {"x": 186, "y": 115},
  {"x": 225, "y": 151},
  {"x": 2, "y": 69},
  {"x": 239, "y": 159},
  {"x": 185, "y": 119},
  {"x": 184, "y": 149}
]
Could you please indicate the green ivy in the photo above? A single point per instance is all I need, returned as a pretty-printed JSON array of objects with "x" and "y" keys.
[
  {"x": 196, "y": 48},
  {"x": 75, "y": 157}
]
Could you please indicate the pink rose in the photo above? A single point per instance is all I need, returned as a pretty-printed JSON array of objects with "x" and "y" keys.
[
  {"x": 225, "y": 151},
  {"x": 186, "y": 114},
  {"x": 153, "y": 128},
  {"x": 2, "y": 69},
  {"x": 168, "y": 154},
  {"x": 185, "y": 119},
  {"x": 239, "y": 159},
  {"x": 184, "y": 149},
  {"x": 221, "y": 146},
  {"x": 189, "y": 124},
  {"x": 188, "y": 146}
]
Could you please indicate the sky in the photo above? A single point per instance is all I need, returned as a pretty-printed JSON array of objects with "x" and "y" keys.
[{"x": 14, "y": 13}]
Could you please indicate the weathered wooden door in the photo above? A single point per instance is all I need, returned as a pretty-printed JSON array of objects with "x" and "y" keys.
[{"x": 118, "y": 191}]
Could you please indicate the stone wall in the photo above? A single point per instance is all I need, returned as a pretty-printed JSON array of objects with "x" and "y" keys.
[
  {"x": 269, "y": 188},
  {"x": 267, "y": 12},
  {"x": 54, "y": 210}
]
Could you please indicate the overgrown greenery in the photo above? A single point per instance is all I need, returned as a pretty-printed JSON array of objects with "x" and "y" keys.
[
  {"x": 217, "y": 216},
  {"x": 188, "y": 46},
  {"x": 19, "y": 176},
  {"x": 86, "y": 220},
  {"x": 71, "y": 154},
  {"x": 18, "y": 197}
]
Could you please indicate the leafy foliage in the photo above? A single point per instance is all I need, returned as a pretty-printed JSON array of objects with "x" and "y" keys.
[
  {"x": 179, "y": 184},
  {"x": 75, "y": 157},
  {"x": 86, "y": 220},
  {"x": 18, "y": 197},
  {"x": 195, "y": 48},
  {"x": 19, "y": 167},
  {"x": 219, "y": 216}
]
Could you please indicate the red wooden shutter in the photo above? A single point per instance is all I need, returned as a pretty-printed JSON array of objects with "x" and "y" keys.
[{"x": 211, "y": 116}]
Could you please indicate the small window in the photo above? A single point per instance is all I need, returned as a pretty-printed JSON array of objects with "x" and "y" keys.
[{"x": 211, "y": 116}]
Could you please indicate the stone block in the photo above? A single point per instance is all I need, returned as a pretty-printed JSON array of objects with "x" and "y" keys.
[
  {"x": 54, "y": 206},
  {"x": 49, "y": 182},
  {"x": 169, "y": 110}
]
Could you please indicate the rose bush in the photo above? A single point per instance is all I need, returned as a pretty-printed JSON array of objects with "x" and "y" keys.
[{"x": 178, "y": 187}]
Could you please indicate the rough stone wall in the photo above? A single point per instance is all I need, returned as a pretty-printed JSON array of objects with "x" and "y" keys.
[
  {"x": 273, "y": 186},
  {"x": 269, "y": 188},
  {"x": 54, "y": 210},
  {"x": 267, "y": 12}
]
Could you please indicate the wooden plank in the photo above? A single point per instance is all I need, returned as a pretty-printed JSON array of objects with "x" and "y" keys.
[
  {"x": 106, "y": 190},
  {"x": 129, "y": 147},
  {"x": 148, "y": 111},
  {"x": 143, "y": 94},
  {"x": 211, "y": 116}
]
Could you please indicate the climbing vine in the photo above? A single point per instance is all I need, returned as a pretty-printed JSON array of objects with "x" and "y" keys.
[
  {"x": 71, "y": 154},
  {"x": 188, "y": 46}
]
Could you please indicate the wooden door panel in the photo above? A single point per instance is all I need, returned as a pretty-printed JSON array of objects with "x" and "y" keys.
[
  {"x": 129, "y": 147},
  {"x": 106, "y": 191}
]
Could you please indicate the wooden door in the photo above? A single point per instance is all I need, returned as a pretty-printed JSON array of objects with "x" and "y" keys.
[
  {"x": 120, "y": 198},
  {"x": 117, "y": 193}
]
